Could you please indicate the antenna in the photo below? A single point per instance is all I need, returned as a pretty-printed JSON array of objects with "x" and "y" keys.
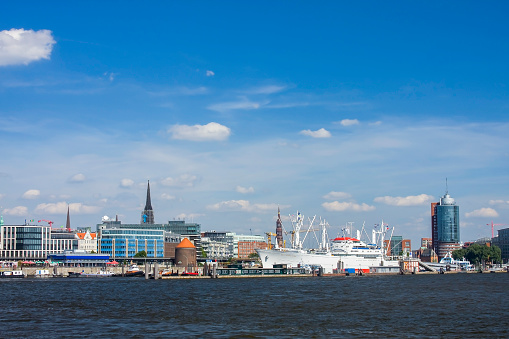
[{"x": 446, "y": 186}]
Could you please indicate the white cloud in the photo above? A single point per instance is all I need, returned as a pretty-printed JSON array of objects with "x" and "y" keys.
[
  {"x": 321, "y": 133},
  {"x": 210, "y": 73},
  {"x": 244, "y": 190},
  {"x": 270, "y": 89},
  {"x": 126, "y": 183},
  {"x": 349, "y": 122},
  {"x": 166, "y": 196},
  {"x": 31, "y": 194},
  {"x": 184, "y": 180},
  {"x": 80, "y": 177},
  {"x": 499, "y": 202},
  {"x": 2, "y": 195},
  {"x": 411, "y": 200},
  {"x": 484, "y": 212},
  {"x": 336, "y": 206},
  {"x": 337, "y": 195},
  {"x": 243, "y": 104},
  {"x": 209, "y": 132},
  {"x": 239, "y": 205},
  {"x": 61, "y": 208},
  {"x": 242, "y": 205},
  {"x": 19, "y": 46},
  {"x": 18, "y": 211}
]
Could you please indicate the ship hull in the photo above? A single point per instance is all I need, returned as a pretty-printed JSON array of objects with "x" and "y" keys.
[{"x": 328, "y": 261}]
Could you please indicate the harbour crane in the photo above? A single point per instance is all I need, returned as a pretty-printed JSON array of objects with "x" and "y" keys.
[
  {"x": 492, "y": 229},
  {"x": 269, "y": 239},
  {"x": 50, "y": 223}
]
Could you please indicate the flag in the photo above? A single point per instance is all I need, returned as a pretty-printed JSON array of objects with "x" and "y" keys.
[{"x": 32, "y": 220}]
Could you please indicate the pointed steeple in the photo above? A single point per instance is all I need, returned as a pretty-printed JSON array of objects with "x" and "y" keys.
[
  {"x": 68, "y": 222},
  {"x": 148, "y": 204},
  {"x": 147, "y": 216}
]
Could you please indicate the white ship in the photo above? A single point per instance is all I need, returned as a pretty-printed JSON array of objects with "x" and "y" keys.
[{"x": 342, "y": 254}]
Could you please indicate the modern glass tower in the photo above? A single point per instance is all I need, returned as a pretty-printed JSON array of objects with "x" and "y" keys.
[{"x": 445, "y": 225}]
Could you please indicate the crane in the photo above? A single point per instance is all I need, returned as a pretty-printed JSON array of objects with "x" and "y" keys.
[
  {"x": 269, "y": 239},
  {"x": 50, "y": 223},
  {"x": 492, "y": 230}
]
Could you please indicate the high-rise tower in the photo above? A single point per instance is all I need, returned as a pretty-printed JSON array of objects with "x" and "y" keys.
[
  {"x": 279, "y": 229},
  {"x": 445, "y": 225},
  {"x": 147, "y": 216}
]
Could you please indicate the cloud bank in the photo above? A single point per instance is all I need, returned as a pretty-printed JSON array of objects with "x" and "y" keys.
[
  {"x": 411, "y": 200},
  {"x": 244, "y": 190},
  {"x": 209, "y": 132},
  {"x": 485, "y": 212},
  {"x": 321, "y": 133},
  {"x": 19, "y": 46},
  {"x": 61, "y": 208},
  {"x": 31, "y": 194},
  {"x": 337, "y": 206}
]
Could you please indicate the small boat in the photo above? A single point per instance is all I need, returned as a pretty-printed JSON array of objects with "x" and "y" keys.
[
  {"x": 42, "y": 274},
  {"x": 168, "y": 273},
  {"x": 189, "y": 274},
  {"x": 99, "y": 274},
  {"x": 12, "y": 274},
  {"x": 134, "y": 271}
]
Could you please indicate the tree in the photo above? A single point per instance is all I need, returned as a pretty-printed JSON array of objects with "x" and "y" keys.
[
  {"x": 254, "y": 255},
  {"x": 479, "y": 253},
  {"x": 203, "y": 253},
  {"x": 141, "y": 254}
]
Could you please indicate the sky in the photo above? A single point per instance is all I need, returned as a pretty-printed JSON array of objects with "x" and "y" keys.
[{"x": 350, "y": 112}]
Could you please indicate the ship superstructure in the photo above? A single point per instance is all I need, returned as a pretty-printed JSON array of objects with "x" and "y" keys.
[{"x": 339, "y": 254}]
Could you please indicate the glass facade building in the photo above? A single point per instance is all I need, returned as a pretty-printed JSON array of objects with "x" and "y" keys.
[
  {"x": 125, "y": 243},
  {"x": 445, "y": 226},
  {"x": 34, "y": 241}
]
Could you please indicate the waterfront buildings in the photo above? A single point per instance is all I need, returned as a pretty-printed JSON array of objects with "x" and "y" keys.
[
  {"x": 31, "y": 242},
  {"x": 397, "y": 246},
  {"x": 87, "y": 241},
  {"x": 502, "y": 241},
  {"x": 125, "y": 242},
  {"x": 445, "y": 226},
  {"x": 223, "y": 245}
]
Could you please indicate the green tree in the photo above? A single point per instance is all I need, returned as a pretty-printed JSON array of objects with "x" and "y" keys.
[
  {"x": 141, "y": 254},
  {"x": 254, "y": 255},
  {"x": 476, "y": 254},
  {"x": 203, "y": 253},
  {"x": 459, "y": 254}
]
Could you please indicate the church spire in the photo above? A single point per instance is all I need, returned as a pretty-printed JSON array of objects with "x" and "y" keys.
[
  {"x": 147, "y": 216},
  {"x": 148, "y": 204},
  {"x": 279, "y": 229},
  {"x": 68, "y": 222}
]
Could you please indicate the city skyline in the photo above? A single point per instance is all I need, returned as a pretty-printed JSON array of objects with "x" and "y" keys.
[{"x": 348, "y": 112}]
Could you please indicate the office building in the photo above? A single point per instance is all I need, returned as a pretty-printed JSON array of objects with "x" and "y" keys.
[
  {"x": 445, "y": 226},
  {"x": 125, "y": 243}
]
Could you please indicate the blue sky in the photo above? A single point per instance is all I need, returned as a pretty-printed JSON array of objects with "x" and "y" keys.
[{"x": 349, "y": 111}]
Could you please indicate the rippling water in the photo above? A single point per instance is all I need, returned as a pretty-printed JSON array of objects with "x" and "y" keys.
[{"x": 451, "y": 305}]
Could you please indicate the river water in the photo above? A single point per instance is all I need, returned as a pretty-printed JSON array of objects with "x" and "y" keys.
[{"x": 450, "y": 305}]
